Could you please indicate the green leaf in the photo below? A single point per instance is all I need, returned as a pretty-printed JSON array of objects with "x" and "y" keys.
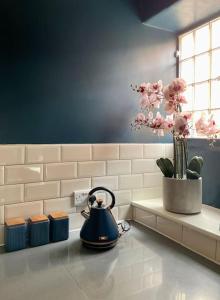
[
  {"x": 165, "y": 166},
  {"x": 192, "y": 174}
]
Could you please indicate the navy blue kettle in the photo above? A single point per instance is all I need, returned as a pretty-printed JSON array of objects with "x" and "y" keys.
[{"x": 100, "y": 230}]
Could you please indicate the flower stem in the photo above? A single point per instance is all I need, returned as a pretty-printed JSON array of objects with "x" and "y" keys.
[
  {"x": 185, "y": 152},
  {"x": 174, "y": 155}
]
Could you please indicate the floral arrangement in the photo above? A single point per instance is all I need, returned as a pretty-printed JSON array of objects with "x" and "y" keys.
[{"x": 176, "y": 122}]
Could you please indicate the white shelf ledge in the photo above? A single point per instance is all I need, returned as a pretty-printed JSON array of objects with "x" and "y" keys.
[
  {"x": 199, "y": 233},
  {"x": 208, "y": 221}
]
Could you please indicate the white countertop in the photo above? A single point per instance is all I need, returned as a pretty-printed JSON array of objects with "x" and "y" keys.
[{"x": 207, "y": 221}]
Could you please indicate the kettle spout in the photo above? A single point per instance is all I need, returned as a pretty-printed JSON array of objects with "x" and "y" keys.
[{"x": 85, "y": 214}]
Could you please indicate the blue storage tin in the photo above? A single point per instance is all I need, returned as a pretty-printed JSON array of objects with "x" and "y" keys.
[
  {"x": 15, "y": 234},
  {"x": 59, "y": 226},
  {"x": 38, "y": 230}
]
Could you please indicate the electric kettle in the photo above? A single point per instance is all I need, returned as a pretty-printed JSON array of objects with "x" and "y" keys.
[{"x": 100, "y": 230}]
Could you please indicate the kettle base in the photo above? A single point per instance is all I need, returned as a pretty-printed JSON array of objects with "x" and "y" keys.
[{"x": 101, "y": 246}]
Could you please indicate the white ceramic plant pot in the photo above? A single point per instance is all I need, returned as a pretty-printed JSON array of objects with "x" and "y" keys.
[{"x": 182, "y": 196}]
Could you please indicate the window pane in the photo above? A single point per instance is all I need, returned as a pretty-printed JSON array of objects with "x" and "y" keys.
[
  {"x": 187, "y": 46},
  {"x": 187, "y": 70},
  {"x": 215, "y": 63},
  {"x": 201, "y": 96},
  {"x": 202, "y": 66},
  {"x": 216, "y": 34},
  {"x": 198, "y": 114},
  {"x": 215, "y": 94},
  {"x": 189, "y": 97},
  {"x": 216, "y": 116},
  {"x": 202, "y": 39}
]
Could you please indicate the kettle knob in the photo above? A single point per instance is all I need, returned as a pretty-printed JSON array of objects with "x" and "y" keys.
[{"x": 99, "y": 202}]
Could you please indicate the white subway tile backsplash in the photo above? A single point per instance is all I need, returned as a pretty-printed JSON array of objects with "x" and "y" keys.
[
  {"x": 91, "y": 168},
  {"x": 69, "y": 186},
  {"x": 153, "y": 179},
  {"x": 123, "y": 197},
  {"x": 169, "y": 150},
  {"x": 42, "y": 153},
  {"x": 60, "y": 171},
  {"x": 131, "y": 151},
  {"x": 154, "y": 150},
  {"x": 12, "y": 154},
  {"x": 1, "y": 175},
  {"x": 118, "y": 167},
  {"x": 125, "y": 212},
  {"x": 42, "y": 190},
  {"x": 147, "y": 193},
  {"x": 2, "y": 220},
  {"x": 114, "y": 211},
  {"x": 130, "y": 181},
  {"x": 59, "y": 204},
  {"x": 76, "y": 221},
  {"x": 144, "y": 166},
  {"x": 110, "y": 182},
  {"x": 11, "y": 194},
  {"x": 37, "y": 178},
  {"x": 23, "y": 173},
  {"x": 105, "y": 151},
  {"x": 77, "y": 152},
  {"x": 24, "y": 210}
]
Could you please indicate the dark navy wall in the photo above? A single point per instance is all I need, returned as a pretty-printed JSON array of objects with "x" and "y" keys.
[
  {"x": 66, "y": 68},
  {"x": 211, "y": 169}
]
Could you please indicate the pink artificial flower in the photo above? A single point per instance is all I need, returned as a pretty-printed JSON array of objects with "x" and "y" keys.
[
  {"x": 143, "y": 88},
  {"x": 140, "y": 117},
  {"x": 156, "y": 87},
  {"x": 186, "y": 115},
  {"x": 170, "y": 107},
  {"x": 144, "y": 102},
  {"x": 161, "y": 125},
  {"x": 168, "y": 124},
  {"x": 201, "y": 125},
  {"x": 178, "y": 85},
  {"x": 181, "y": 126},
  {"x": 150, "y": 101},
  {"x": 168, "y": 94},
  {"x": 181, "y": 99},
  {"x": 142, "y": 120},
  {"x": 173, "y": 96},
  {"x": 150, "y": 115},
  {"x": 154, "y": 101},
  {"x": 208, "y": 128},
  {"x": 212, "y": 127}
]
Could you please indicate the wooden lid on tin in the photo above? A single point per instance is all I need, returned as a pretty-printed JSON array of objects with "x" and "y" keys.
[
  {"x": 38, "y": 218},
  {"x": 14, "y": 222},
  {"x": 59, "y": 215}
]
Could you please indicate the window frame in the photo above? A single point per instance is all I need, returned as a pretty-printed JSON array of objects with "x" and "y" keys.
[{"x": 193, "y": 57}]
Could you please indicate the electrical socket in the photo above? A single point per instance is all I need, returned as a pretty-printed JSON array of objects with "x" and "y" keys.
[{"x": 80, "y": 198}]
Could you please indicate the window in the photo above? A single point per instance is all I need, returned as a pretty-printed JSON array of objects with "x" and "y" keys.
[{"x": 199, "y": 65}]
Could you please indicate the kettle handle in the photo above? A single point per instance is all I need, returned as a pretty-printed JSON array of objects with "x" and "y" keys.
[{"x": 101, "y": 188}]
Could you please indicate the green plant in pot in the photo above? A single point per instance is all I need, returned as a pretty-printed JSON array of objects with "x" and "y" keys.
[{"x": 182, "y": 182}]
